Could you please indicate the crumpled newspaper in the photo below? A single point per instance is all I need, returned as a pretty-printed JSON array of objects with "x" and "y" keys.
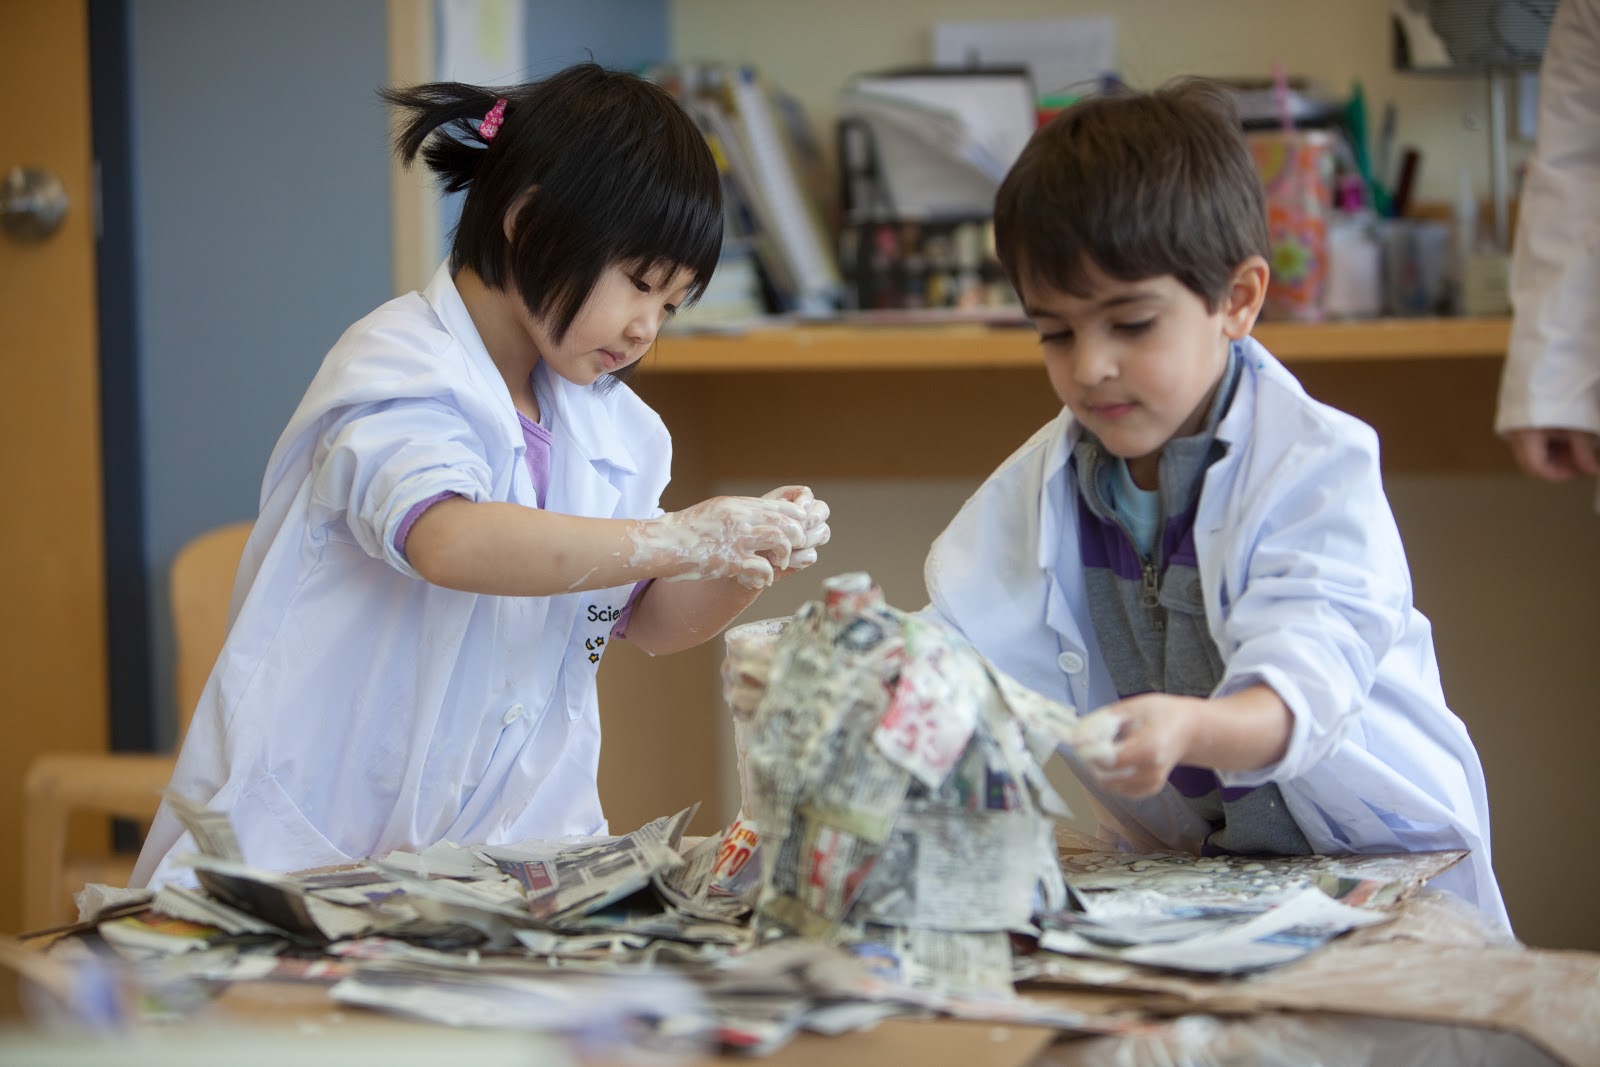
[{"x": 893, "y": 778}]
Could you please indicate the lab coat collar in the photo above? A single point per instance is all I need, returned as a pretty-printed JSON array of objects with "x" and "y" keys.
[
  {"x": 1233, "y": 427},
  {"x": 1051, "y": 489},
  {"x": 579, "y": 414},
  {"x": 1233, "y": 430},
  {"x": 445, "y": 299},
  {"x": 1057, "y": 543},
  {"x": 1235, "y": 423},
  {"x": 1058, "y": 538}
]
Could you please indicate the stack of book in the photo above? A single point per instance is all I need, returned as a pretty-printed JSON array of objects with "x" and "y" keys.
[{"x": 777, "y": 255}]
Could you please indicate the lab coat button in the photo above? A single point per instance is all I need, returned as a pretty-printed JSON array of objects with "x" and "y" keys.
[
  {"x": 513, "y": 713},
  {"x": 1070, "y": 662}
]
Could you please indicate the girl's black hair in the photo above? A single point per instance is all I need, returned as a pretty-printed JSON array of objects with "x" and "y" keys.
[
  {"x": 619, "y": 174},
  {"x": 1138, "y": 185}
]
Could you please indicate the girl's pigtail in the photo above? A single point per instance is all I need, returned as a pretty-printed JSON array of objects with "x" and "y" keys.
[{"x": 439, "y": 122}]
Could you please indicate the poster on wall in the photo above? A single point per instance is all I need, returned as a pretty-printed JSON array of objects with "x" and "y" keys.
[{"x": 482, "y": 42}]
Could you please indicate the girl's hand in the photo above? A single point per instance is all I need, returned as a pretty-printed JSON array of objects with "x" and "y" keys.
[
  {"x": 816, "y": 528},
  {"x": 748, "y": 538},
  {"x": 1153, "y": 734}
]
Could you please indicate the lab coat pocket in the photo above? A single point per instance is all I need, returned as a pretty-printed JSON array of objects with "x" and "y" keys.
[
  {"x": 566, "y": 694},
  {"x": 275, "y": 835},
  {"x": 580, "y": 688}
]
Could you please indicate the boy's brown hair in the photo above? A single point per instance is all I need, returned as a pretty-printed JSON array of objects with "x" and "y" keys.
[{"x": 1139, "y": 185}]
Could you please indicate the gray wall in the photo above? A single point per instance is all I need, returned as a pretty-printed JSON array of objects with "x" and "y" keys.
[
  {"x": 622, "y": 34},
  {"x": 262, "y": 229},
  {"x": 261, "y": 199},
  {"x": 626, "y": 34}
]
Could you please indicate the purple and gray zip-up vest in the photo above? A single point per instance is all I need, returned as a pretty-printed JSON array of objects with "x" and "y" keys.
[{"x": 1149, "y": 618}]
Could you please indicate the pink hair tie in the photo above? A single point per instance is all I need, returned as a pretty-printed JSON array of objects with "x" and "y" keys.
[{"x": 491, "y": 122}]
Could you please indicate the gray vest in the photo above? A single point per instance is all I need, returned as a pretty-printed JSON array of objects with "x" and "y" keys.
[{"x": 1149, "y": 619}]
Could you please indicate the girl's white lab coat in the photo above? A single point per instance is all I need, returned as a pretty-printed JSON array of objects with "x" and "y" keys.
[
  {"x": 356, "y": 708},
  {"x": 1552, "y": 371},
  {"x": 1306, "y": 589}
]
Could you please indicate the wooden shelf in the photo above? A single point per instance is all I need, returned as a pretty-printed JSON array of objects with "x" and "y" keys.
[
  {"x": 952, "y": 400},
  {"x": 1484, "y": 338},
  {"x": 856, "y": 347}
]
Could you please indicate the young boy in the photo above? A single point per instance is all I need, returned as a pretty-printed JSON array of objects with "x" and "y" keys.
[{"x": 1195, "y": 546}]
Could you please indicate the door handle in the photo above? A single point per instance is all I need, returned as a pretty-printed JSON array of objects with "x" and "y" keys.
[{"x": 32, "y": 203}]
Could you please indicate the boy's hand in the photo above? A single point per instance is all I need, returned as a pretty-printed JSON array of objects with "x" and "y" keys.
[
  {"x": 1247, "y": 730},
  {"x": 1153, "y": 735},
  {"x": 815, "y": 524}
]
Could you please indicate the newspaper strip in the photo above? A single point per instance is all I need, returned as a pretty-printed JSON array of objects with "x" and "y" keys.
[
  {"x": 945, "y": 961},
  {"x": 931, "y": 717},
  {"x": 583, "y": 880},
  {"x": 212, "y": 830},
  {"x": 1214, "y": 940},
  {"x": 1367, "y": 881},
  {"x": 181, "y": 903},
  {"x": 737, "y": 870},
  {"x": 274, "y": 897},
  {"x": 941, "y": 849}
]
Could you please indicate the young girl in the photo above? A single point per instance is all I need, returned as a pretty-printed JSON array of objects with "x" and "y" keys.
[{"x": 463, "y": 511}]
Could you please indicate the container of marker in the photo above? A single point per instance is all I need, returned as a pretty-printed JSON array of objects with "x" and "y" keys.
[{"x": 1296, "y": 169}]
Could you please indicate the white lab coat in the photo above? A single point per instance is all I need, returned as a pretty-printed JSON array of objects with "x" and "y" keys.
[
  {"x": 1306, "y": 589},
  {"x": 356, "y": 708},
  {"x": 1552, "y": 370}
]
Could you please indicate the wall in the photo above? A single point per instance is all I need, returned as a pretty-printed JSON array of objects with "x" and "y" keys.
[
  {"x": 262, "y": 203},
  {"x": 626, "y": 34},
  {"x": 262, "y": 231},
  {"x": 811, "y": 49},
  {"x": 622, "y": 34},
  {"x": 1506, "y": 569}
]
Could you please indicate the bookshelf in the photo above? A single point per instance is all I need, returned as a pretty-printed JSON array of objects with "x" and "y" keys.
[
  {"x": 804, "y": 402},
  {"x": 844, "y": 346}
]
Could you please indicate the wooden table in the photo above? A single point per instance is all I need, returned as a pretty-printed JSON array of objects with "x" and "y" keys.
[{"x": 272, "y": 1022}]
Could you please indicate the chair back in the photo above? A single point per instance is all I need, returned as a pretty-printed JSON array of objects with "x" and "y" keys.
[{"x": 201, "y": 585}]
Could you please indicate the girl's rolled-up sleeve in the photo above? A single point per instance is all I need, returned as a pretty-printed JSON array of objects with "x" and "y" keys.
[{"x": 376, "y": 463}]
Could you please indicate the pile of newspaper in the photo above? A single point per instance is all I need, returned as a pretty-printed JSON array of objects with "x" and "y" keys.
[
  {"x": 612, "y": 939},
  {"x": 896, "y": 855}
]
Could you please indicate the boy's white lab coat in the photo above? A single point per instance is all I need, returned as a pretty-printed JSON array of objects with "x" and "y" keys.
[
  {"x": 356, "y": 708},
  {"x": 1306, "y": 589}
]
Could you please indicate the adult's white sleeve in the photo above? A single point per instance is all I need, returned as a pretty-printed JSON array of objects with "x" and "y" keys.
[{"x": 1552, "y": 370}]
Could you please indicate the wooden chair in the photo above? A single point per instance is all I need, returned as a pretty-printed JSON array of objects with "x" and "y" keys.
[{"x": 125, "y": 785}]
